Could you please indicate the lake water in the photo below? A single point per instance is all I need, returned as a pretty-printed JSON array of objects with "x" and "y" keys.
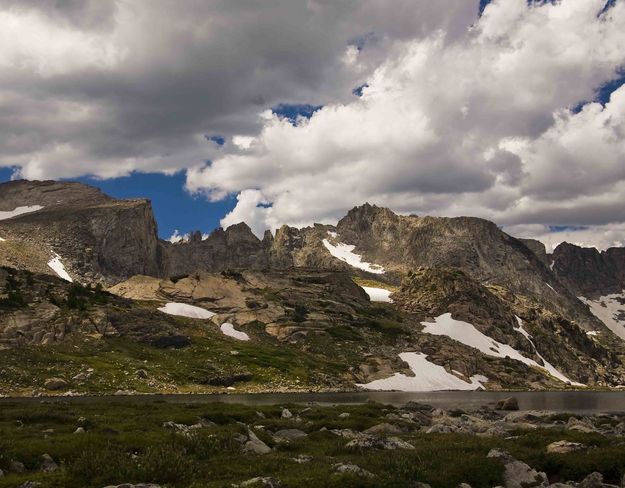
[{"x": 566, "y": 401}]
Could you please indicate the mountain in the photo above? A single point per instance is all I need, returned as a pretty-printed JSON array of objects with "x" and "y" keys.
[{"x": 462, "y": 302}]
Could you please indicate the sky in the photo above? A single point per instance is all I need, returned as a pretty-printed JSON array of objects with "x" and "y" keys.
[{"x": 294, "y": 111}]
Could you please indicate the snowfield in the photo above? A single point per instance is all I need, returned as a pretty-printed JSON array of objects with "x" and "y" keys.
[
  {"x": 58, "y": 267},
  {"x": 428, "y": 377},
  {"x": 378, "y": 294},
  {"x": 345, "y": 253},
  {"x": 608, "y": 309},
  {"x": 468, "y": 335},
  {"x": 19, "y": 211},
  {"x": 186, "y": 310},
  {"x": 228, "y": 329}
]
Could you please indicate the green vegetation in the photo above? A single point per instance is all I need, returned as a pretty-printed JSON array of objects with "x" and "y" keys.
[
  {"x": 125, "y": 441},
  {"x": 374, "y": 284},
  {"x": 115, "y": 360},
  {"x": 14, "y": 296}
]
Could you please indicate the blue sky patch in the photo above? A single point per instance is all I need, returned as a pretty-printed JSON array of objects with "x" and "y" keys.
[
  {"x": 293, "y": 111},
  {"x": 174, "y": 207},
  {"x": 219, "y": 140},
  {"x": 565, "y": 228},
  {"x": 358, "y": 90}
]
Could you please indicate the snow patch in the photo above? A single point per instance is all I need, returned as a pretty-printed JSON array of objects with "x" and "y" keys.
[
  {"x": 228, "y": 329},
  {"x": 610, "y": 311},
  {"x": 378, "y": 294},
  {"x": 468, "y": 335},
  {"x": 552, "y": 288},
  {"x": 186, "y": 310},
  {"x": 553, "y": 263},
  {"x": 345, "y": 253},
  {"x": 547, "y": 365},
  {"x": 2, "y": 240},
  {"x": 58, "y": 267},
  {"x": 428, "y": 377},
  {"x": 19, "y": 211},
  {"x": 592, "y": 333}
]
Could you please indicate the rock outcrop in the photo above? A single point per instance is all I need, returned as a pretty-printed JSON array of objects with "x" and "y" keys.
[{"x": 589, "y": 272}]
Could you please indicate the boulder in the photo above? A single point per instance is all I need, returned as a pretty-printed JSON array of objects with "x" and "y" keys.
[
  {"x": 288, "y": 435},
  {"x": 384, "y": 428},
  {"x": 286, "y": 413},
  {"x": 366, "y": 441},
  {"x": 593, "y": 480},
  {"x": 580, "y": 426},
  {"x": 16, "y": 467},
  {"x": 255, "y": 446},
  {"x": 510, "y": 403},
  {"x": 48, "y": 464},
  {"x": 344, "y": 415},
  {"x": 140, "y": 485},
  {"x": 263, "y": 481},
  {"x": 79, "y": 430},
  {"x": 342, "y": 468},
  {"x": 302, "y": 459},
  {"x": 517, "y": 474},
  {"x": 563, "y": 447},
  {"x": 141, "y": 374},
  {"x": 54, "y": 384}
]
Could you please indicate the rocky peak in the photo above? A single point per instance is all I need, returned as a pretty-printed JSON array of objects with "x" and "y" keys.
[
  {"x": 588, "y": 272},
  {"x": 48, "y": 193},
  {"x": 240, "y": 232}
]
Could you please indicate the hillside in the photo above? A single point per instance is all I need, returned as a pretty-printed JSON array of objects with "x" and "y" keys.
[{"x": 379, "y": 301}]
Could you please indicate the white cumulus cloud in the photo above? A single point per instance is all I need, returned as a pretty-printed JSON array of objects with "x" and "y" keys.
[{"x": 480, "y": 123}]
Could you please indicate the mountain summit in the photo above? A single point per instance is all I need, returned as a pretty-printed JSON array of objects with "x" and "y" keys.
[{"x": 453, "y": 287}]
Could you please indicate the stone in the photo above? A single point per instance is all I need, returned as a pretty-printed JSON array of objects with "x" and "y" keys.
[
  {"x": 79, "y": 430},
  {"x": 580, "y": 426},
  {"x": 16, "y": 467},
  {"x": 254, "y": 445},
  {"x": 140, "y": 485},
  {"x": 263, "y": 481},
  {"x": 286, "y": 413},
  {"x": 510, "y": 403},
  {"x": 517, "y": 474},
  {"x": 384, "y": 428},
  {"x": 344, "y": 415},
  {"x": 365, "y": 441},
  {"x": 302, "y": 459},
  {"x": 48, "y": 464},
  {"x": 141, "y": 374},
  {"x": 30, "y": 484},
  {"x": 288, "y": 435},
  {"x": 593, "y": 480},
  {"x": 342, "y": 468},
  {"x": 464, "y": 485},
  {"x": 54, "y": 384},
  {"x": 563, "y": 447}
]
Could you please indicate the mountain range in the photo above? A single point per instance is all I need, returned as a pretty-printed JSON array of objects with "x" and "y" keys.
[{"x": 380, "y": 300}]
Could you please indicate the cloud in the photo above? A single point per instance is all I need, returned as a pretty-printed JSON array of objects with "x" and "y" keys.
[
  {"x": 601, "y": 236},
  {"x": 480, "y": 123},
  {"x": 108, "y": 87},
  {"x": 251, "y": 208},
  {"x": 455, "y": 114}
]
